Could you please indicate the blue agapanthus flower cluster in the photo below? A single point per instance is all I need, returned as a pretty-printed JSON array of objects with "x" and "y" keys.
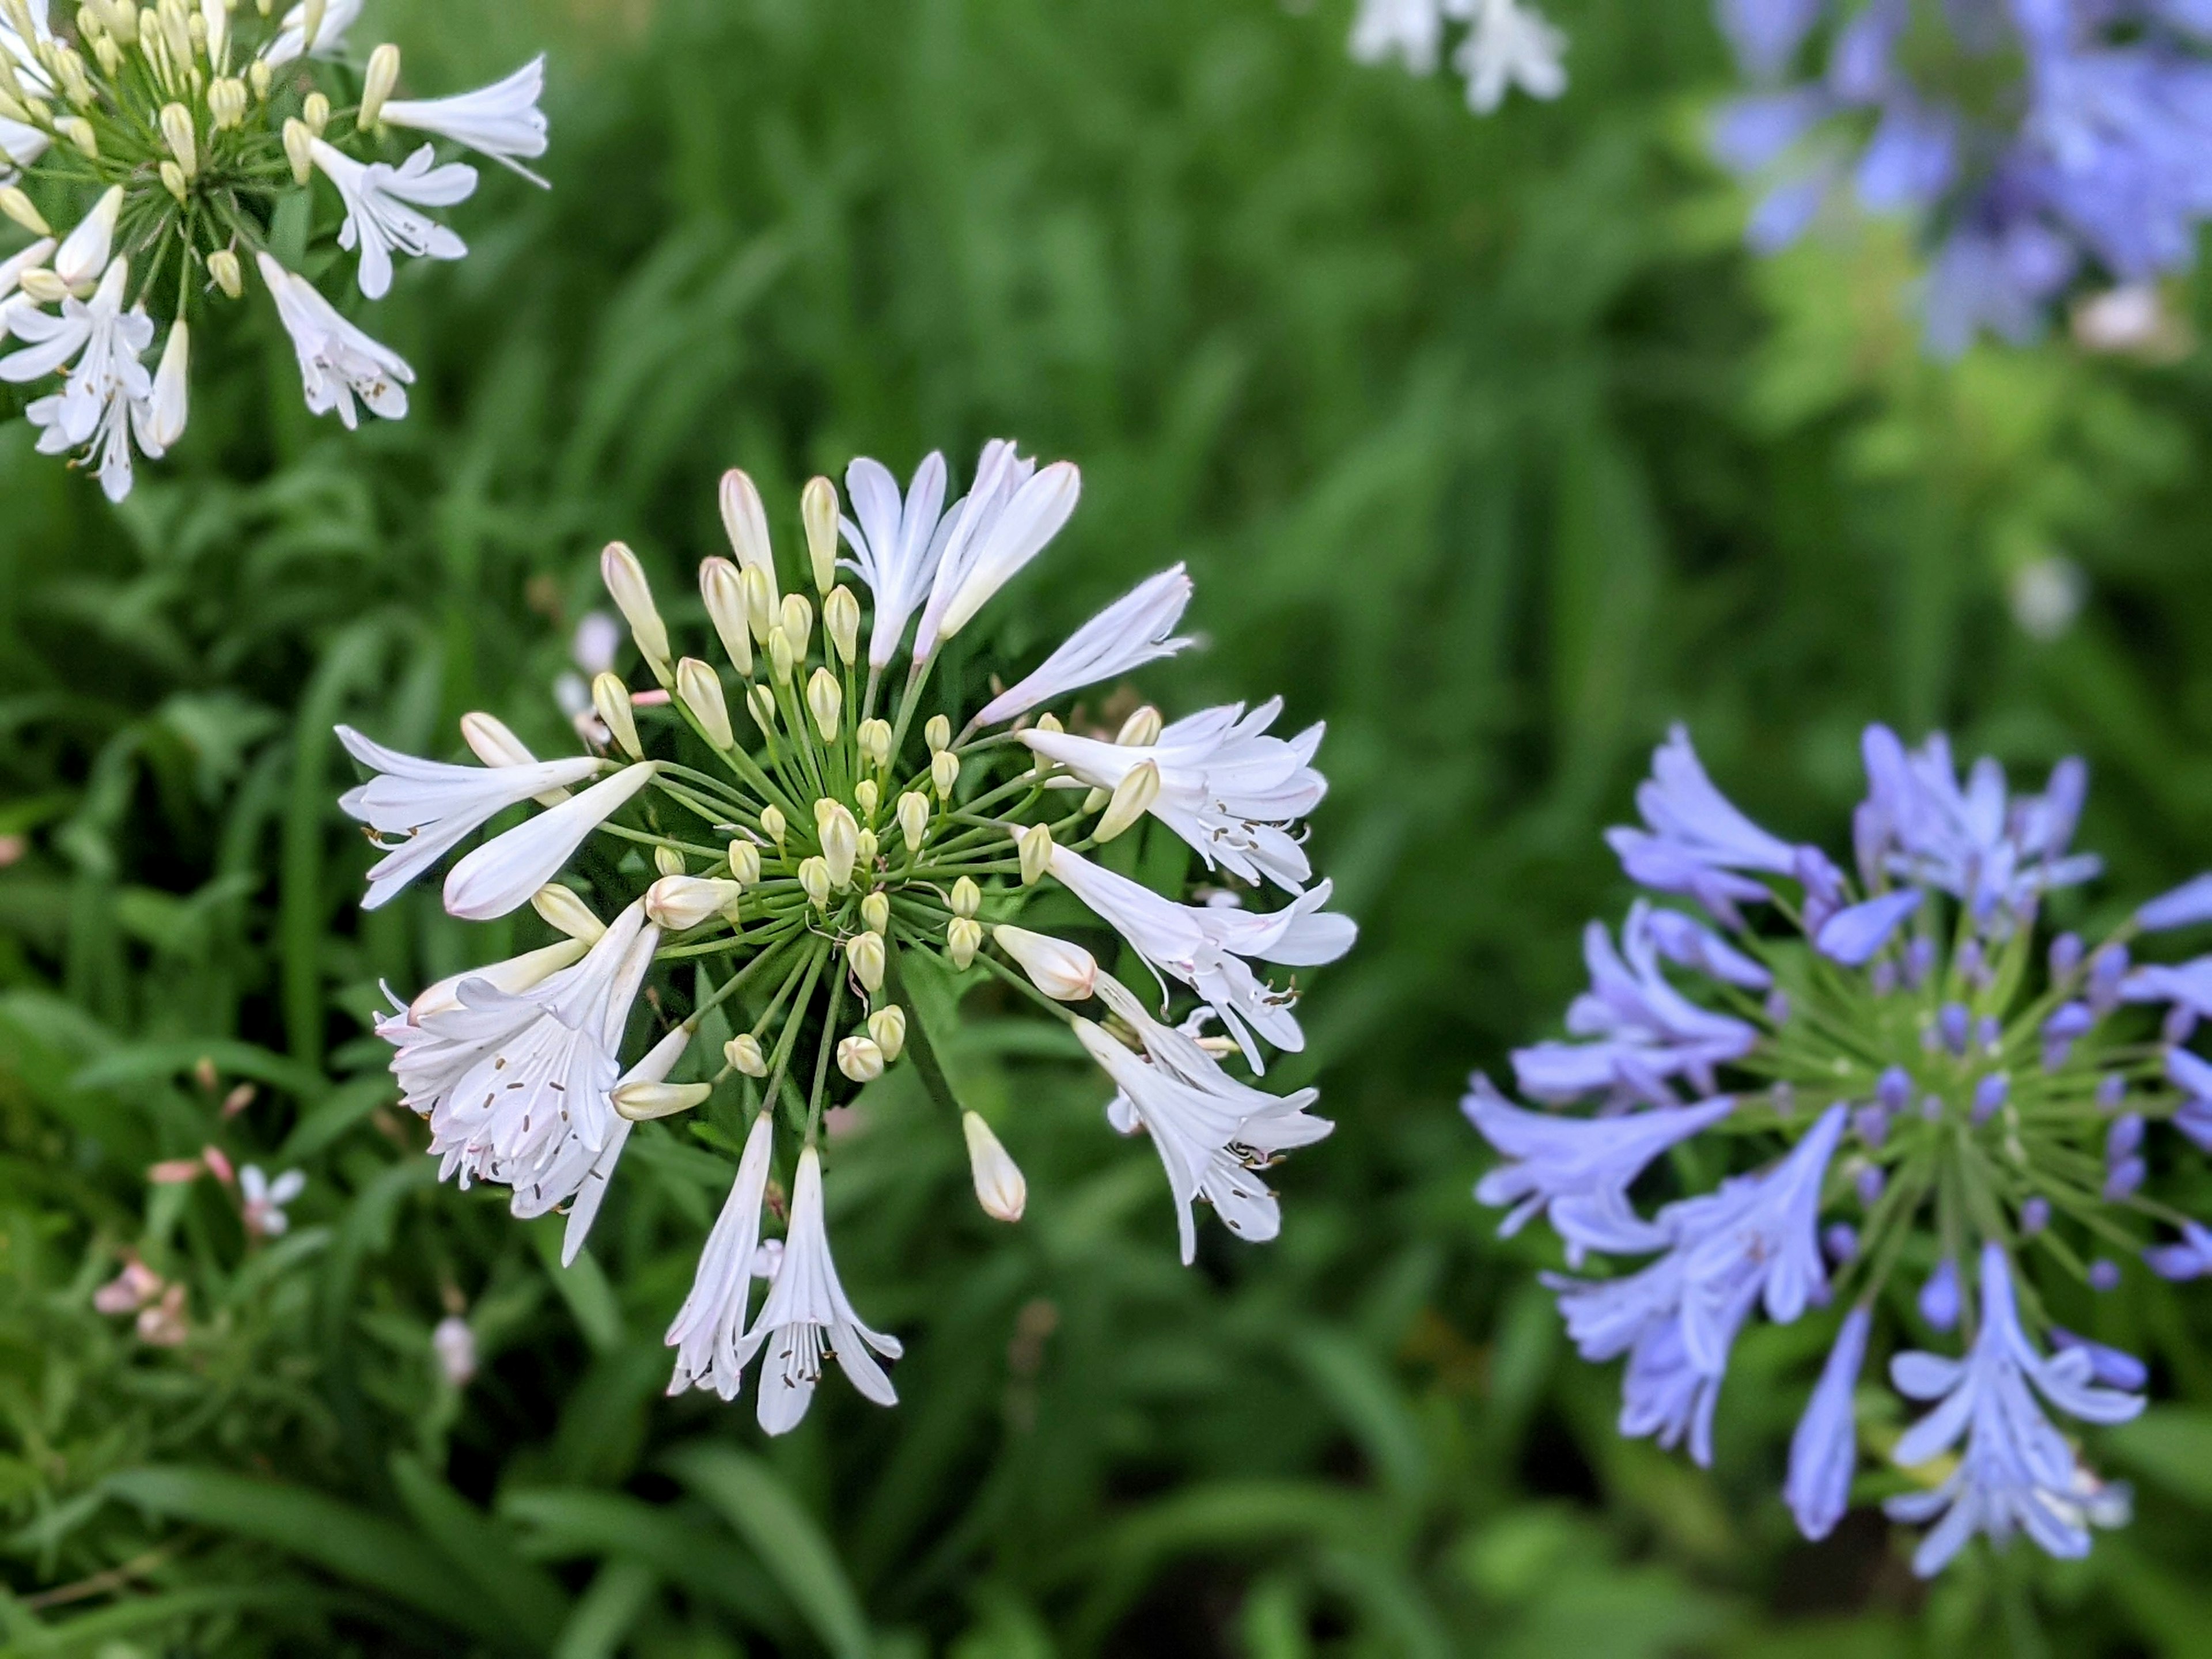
[
  {"x": 2039, "y": 141},
  {"x": 1885, "y": 1096}
]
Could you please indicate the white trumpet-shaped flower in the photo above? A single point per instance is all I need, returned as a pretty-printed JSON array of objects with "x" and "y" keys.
[
  {"x": 1001, "y": 524},
  {"x": 291, "y": 44},
  {"x": 337, "y": 361},
  {"x": 501, "y": 875},
  {"x": 709, "y": 1327},
  {"x": 381, "y": 202},
  {"x": 502, "y": 120},
  {"x": 894, "y": 542},
  {"x": 1226, "y": 788},
  {"x": 807, "y": 1318},
  {"x": 1136, "y": 629},
  {"x": 431, "y": 807},
  {"x": 108, "y": 398}
]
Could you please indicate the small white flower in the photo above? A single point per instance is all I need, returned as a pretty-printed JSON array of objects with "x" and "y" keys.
[
  {"x": 108, "y": 398},
  {"x": 337, "y": 361},
  {"x": 1133, "y": 631},
  {"x": 262, "y": 1201},
  {"x": 1509, "y": 45},
  {"x": 1001, "y": 524},
  {"x": 433, "y": 806},
  {"x": 454, "y": 1346},
  {"x": 709, "y": 1327},
  {"x": 291, "y": 42},
  {"x": 808, "y": 1318},
  {"x": 598, "y": 638},
  {"x": 502, "y": 121},
  {"x": 1412, "y": 31},
  {"x": 1226, "y": 788},
  {"x": 380, "y": 203},
  {"x": 895, "y": 544}
]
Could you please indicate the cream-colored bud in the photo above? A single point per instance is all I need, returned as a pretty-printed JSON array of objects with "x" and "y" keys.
[
  {"x": 945, "y": 772},
  {"x": 311, "y": 24},
  {"x": 17, "y": 206},
  {"x": 760, "y": 703},
  {"x": 964, "y": 937},
  {"x": 563, "y": 909},
  {"x": 796, "y": 617},
  {"x": 260, "y": 77},
  {"x": 700, "y": 688},
  {"x": 814, "y": 881},
  {"x": 887, "y": 1026},
  {"x": 611, "y": 698},
  {"x": 860, "y": 1058},
  {"x": 869, "y": 847},
  {"x": 825, "y": 701},
  {"x": 773, "y": 824},
  {"x": 782, "y": 658},
  {"x": 11, "y": 107},
  {"x": 1094, "y": 800},
  {"x": 937, "y": 733},
  {"x": 745, "y": 523},
  {"x": 43, "y": 287},
  {"x": 228, "y": 102},
  {"x": 1034, "y": 842},
  {"x": 874, "y": 737},
  {"x": 626, "y": 585},
  {"x": 493, "y": 742},
  {"x": 1133, "y": 798},
  {"x": 761, "y": 606},
  {"x": 174, "y": 181},
  {"x": 876, "y": 913},
  {"x": 642, "y": 1102},
  {"x": 1064, "y": 972},
  {"x": 841, "y": 622},
  {"x": 913, "y": 818},
  {"x": 818, "y": 508},
  {"x": 967, "y": 898},
  {"x": 107, "y": 53},
  {"x": 79, "y": 132},
  {"x": 299, "y": 148},
  {"x": 745, "y": 1056},
  {"x": 1142, "y": 730},
  {"x": 379, "y": 83},
  {"x": 839, "y": 837},
  {"x": 229, "y": 274},
  {"x": 668, "y": 860},
  {"x": 722, "y": 587},
  {"x": 76, "y": 83},
  {"x": 864, "y": 955},
  {"x": 678, "y": 903},
  {"x": 745, "y": 863},
  {"x": 315, "y": 111},
  {"x": 999, "y": 1187},
  {"x": 867, "y": 796}
]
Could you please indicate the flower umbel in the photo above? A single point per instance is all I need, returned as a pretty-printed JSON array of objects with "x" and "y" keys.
[
  {"x": 1905, "y": 1056},
  {"x": 801, "y": 833}
]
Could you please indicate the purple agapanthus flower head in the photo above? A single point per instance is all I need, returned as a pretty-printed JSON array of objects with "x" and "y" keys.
[
  {"x": 2093, "y": 156},
  {"x": 1921, "y": 1104}
]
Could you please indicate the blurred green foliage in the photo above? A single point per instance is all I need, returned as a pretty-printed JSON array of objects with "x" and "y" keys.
[{"x": 1485, "y": 443}]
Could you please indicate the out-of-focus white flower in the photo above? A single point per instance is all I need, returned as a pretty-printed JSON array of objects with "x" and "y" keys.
[
  {"x": 291, "y": 44},
  {"x": 2047, "y": 595},
  {"x": 454, "y": 1344},
  {"x": 1506, "y": 44},
  {"x": 262, "y": 1201}
]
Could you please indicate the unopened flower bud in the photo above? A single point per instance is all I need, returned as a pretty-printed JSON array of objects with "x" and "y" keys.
[
  {"x": 967, "y": 897},
  {"x": 999, "y": 1187},
  {"x": 913, "y": 818},
  {"x": 796, "y": 617},
  {"x": 937, "y": 734},
  {"x": 610, "y": 699},
  {"x": 1142, "y": 730},
  {"x": 825, "y": 701},
  {"x": 79, "y": 132},
  {"x": 745, "y": 1056},
  {"x": 1133, "y": 798},
  {"x": 761, "y": 605},
  {"x": 174, "y": 181},
  {"x": 963, "y": 936},
  {"x": 782, "y": 658},
  {"x": 259, "y": 76},
  {"x": 315, "y": 111},
  {"x": 840, "y": 836},
  {"x": 874, "y": 736},
  {"x": 107, "y": 53},
  {"x": 563, "y": 909},
  {"x": 876, "y": 913},
  {"x": 43, "y": 287},
  {"x": 1034, "y": 842},
  {"x": 1064, "y": 972},
  {"x": 865, "y": 854},
  {"x": 760, "y": 703},
  {"x": 841, "y": 622},
  {"x": 745, "y": 521},
  {"x": 745, "y": 863},
  {"x": 311, "y": 24},
  {"x": 864, "y": 955},
  {"x": 772, "y": 823},
  {"x": 642, "y": 1102},
  {"x": 888, "y": 1027},
  {"x": 17, "y": 206},
  {"x": 860, "y": 1058},
  {"x": 177, "y": 134},
  {"x": 945, "y": 772},
  {"x": 700, "y": 688},
  {"x": 227, "y": 274},
  {"x": 626, "y": 585},
  {"x": 228, "y": 102},
  {"x": 299, "y": 148},
  {"x": 379, "y": 83},
  {"x": 817, "y": 507},
  {"x": 677, "y": 904},
  {"x": 722, "y": 587},
  {"x": 668, "y": 860},
  {"x": 867, "y": 796},
  {"x": 814, "y": 882}
]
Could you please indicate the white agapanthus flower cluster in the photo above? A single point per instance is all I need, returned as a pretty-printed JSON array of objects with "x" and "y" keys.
[
  {"x": 166, "y": 137},
  {"x": 770, "y": 834},
  {"x": 1506, "y": 44}
]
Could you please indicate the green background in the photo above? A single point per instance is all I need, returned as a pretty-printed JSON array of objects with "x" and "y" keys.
[{"x": 1485, "y": 443}]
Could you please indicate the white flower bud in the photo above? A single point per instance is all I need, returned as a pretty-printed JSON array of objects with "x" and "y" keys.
[
  {"x": 772, "y": 823},
  {"x": 999, "y": 1187},
  {"x": 760, "y": 602},
  {"x": 796, "y": 617},
  {"x": 228, "y": 102},
  {"x": 258, "y": 76},
  {"x": 563, "y": 909},
  {"x": 817, "y": 507},
  {"x": 887, "y": 1026},
  {"x": 841, "y": 622},
  {"x": 1064, "y": 972},
  {"x": 913, "y": 818},
  {"x": 825, "y": 701},
  {"x": 43, "y": 287},
  {"x": 17, "y": 206},
  {"x": 782, "y": 658},
  {"x": 722, "y": 588},
  {"x": 1133, "y": 798},
  {"x": 315, "y": 111},
  {"x": 963, "y": 936},
  {"x": 311, "y": 24},
  {"x": 745, "y": 863},
  {"x": 864, "y": 955},
  {"x": 760, "y": 703},
  {"x": 676, "y": 904},
  {"x": 1034, "y": 842},
  {"x": 814, "y": 882},
  {"x": 876, "y": 913},
  {"x": 493, "y": 742},
  {"x": 700, "y": 688},
  {"x": 745, "y": 1056},
  {"x": 227, "y": 274},
  {"x": 859, "y": 1059},
  {"x": 945, "y": 772},
  {"x": 79, "y": 132},
  {"x": 937, "y": 733},
  {"x": 668, "y": 860},
  {"x": 1142, "y": 730},
  {"x": 173, "y": 386},
  {"x": 176, "y": 123},
  {"x": 867, "y": 796},
  {"x": 642, "y": 1102},
  {"x": 839, "y": 837},
  {"x": 626, "y": 585},
  {"x": 865, "y": 854},
  {"x": 379, "y": 83},
  {"x": 174, "y": 181},
  {"x": 874, "y": 736},
  {"x": 610, "y": 699},
  {"x": 745, "y": 521},
  {"x": 967, "y": 897}
]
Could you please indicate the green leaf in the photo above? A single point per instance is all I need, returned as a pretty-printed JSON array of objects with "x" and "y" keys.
[{"x": 523, "y": 1596}]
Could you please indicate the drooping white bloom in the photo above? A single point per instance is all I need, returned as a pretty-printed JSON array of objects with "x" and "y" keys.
[
  {"x": 709, "y": 1327},
  {"x": 292, "y": 42},
  {"x": 427, "y": 1061},
  {"x": 894, "y": 542},
  {"x": 433, "y": 806},
  {"x": 1002, "y": 524},
  {"x": 380, "y": 204},
  {"x": 1133, "y": 631},
  {"x": 108, "y": 397},
  {"x": 262, "y": 1200},
  {"x": 501, "y": 875},
  {"x": 2016, "y": 1473},
  {"x": 591, "y": 1190},
  {"x": 502, "y": 120},
  {"x": 1205, "y": 946},
  {"x": 1509, "y": 45},
  {"x": 1226, "y": 788},
  {"x": 808, "y": 1318},
  {"x": 337, "y": 361},
  {"x": 1213, "y": 1134}
]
